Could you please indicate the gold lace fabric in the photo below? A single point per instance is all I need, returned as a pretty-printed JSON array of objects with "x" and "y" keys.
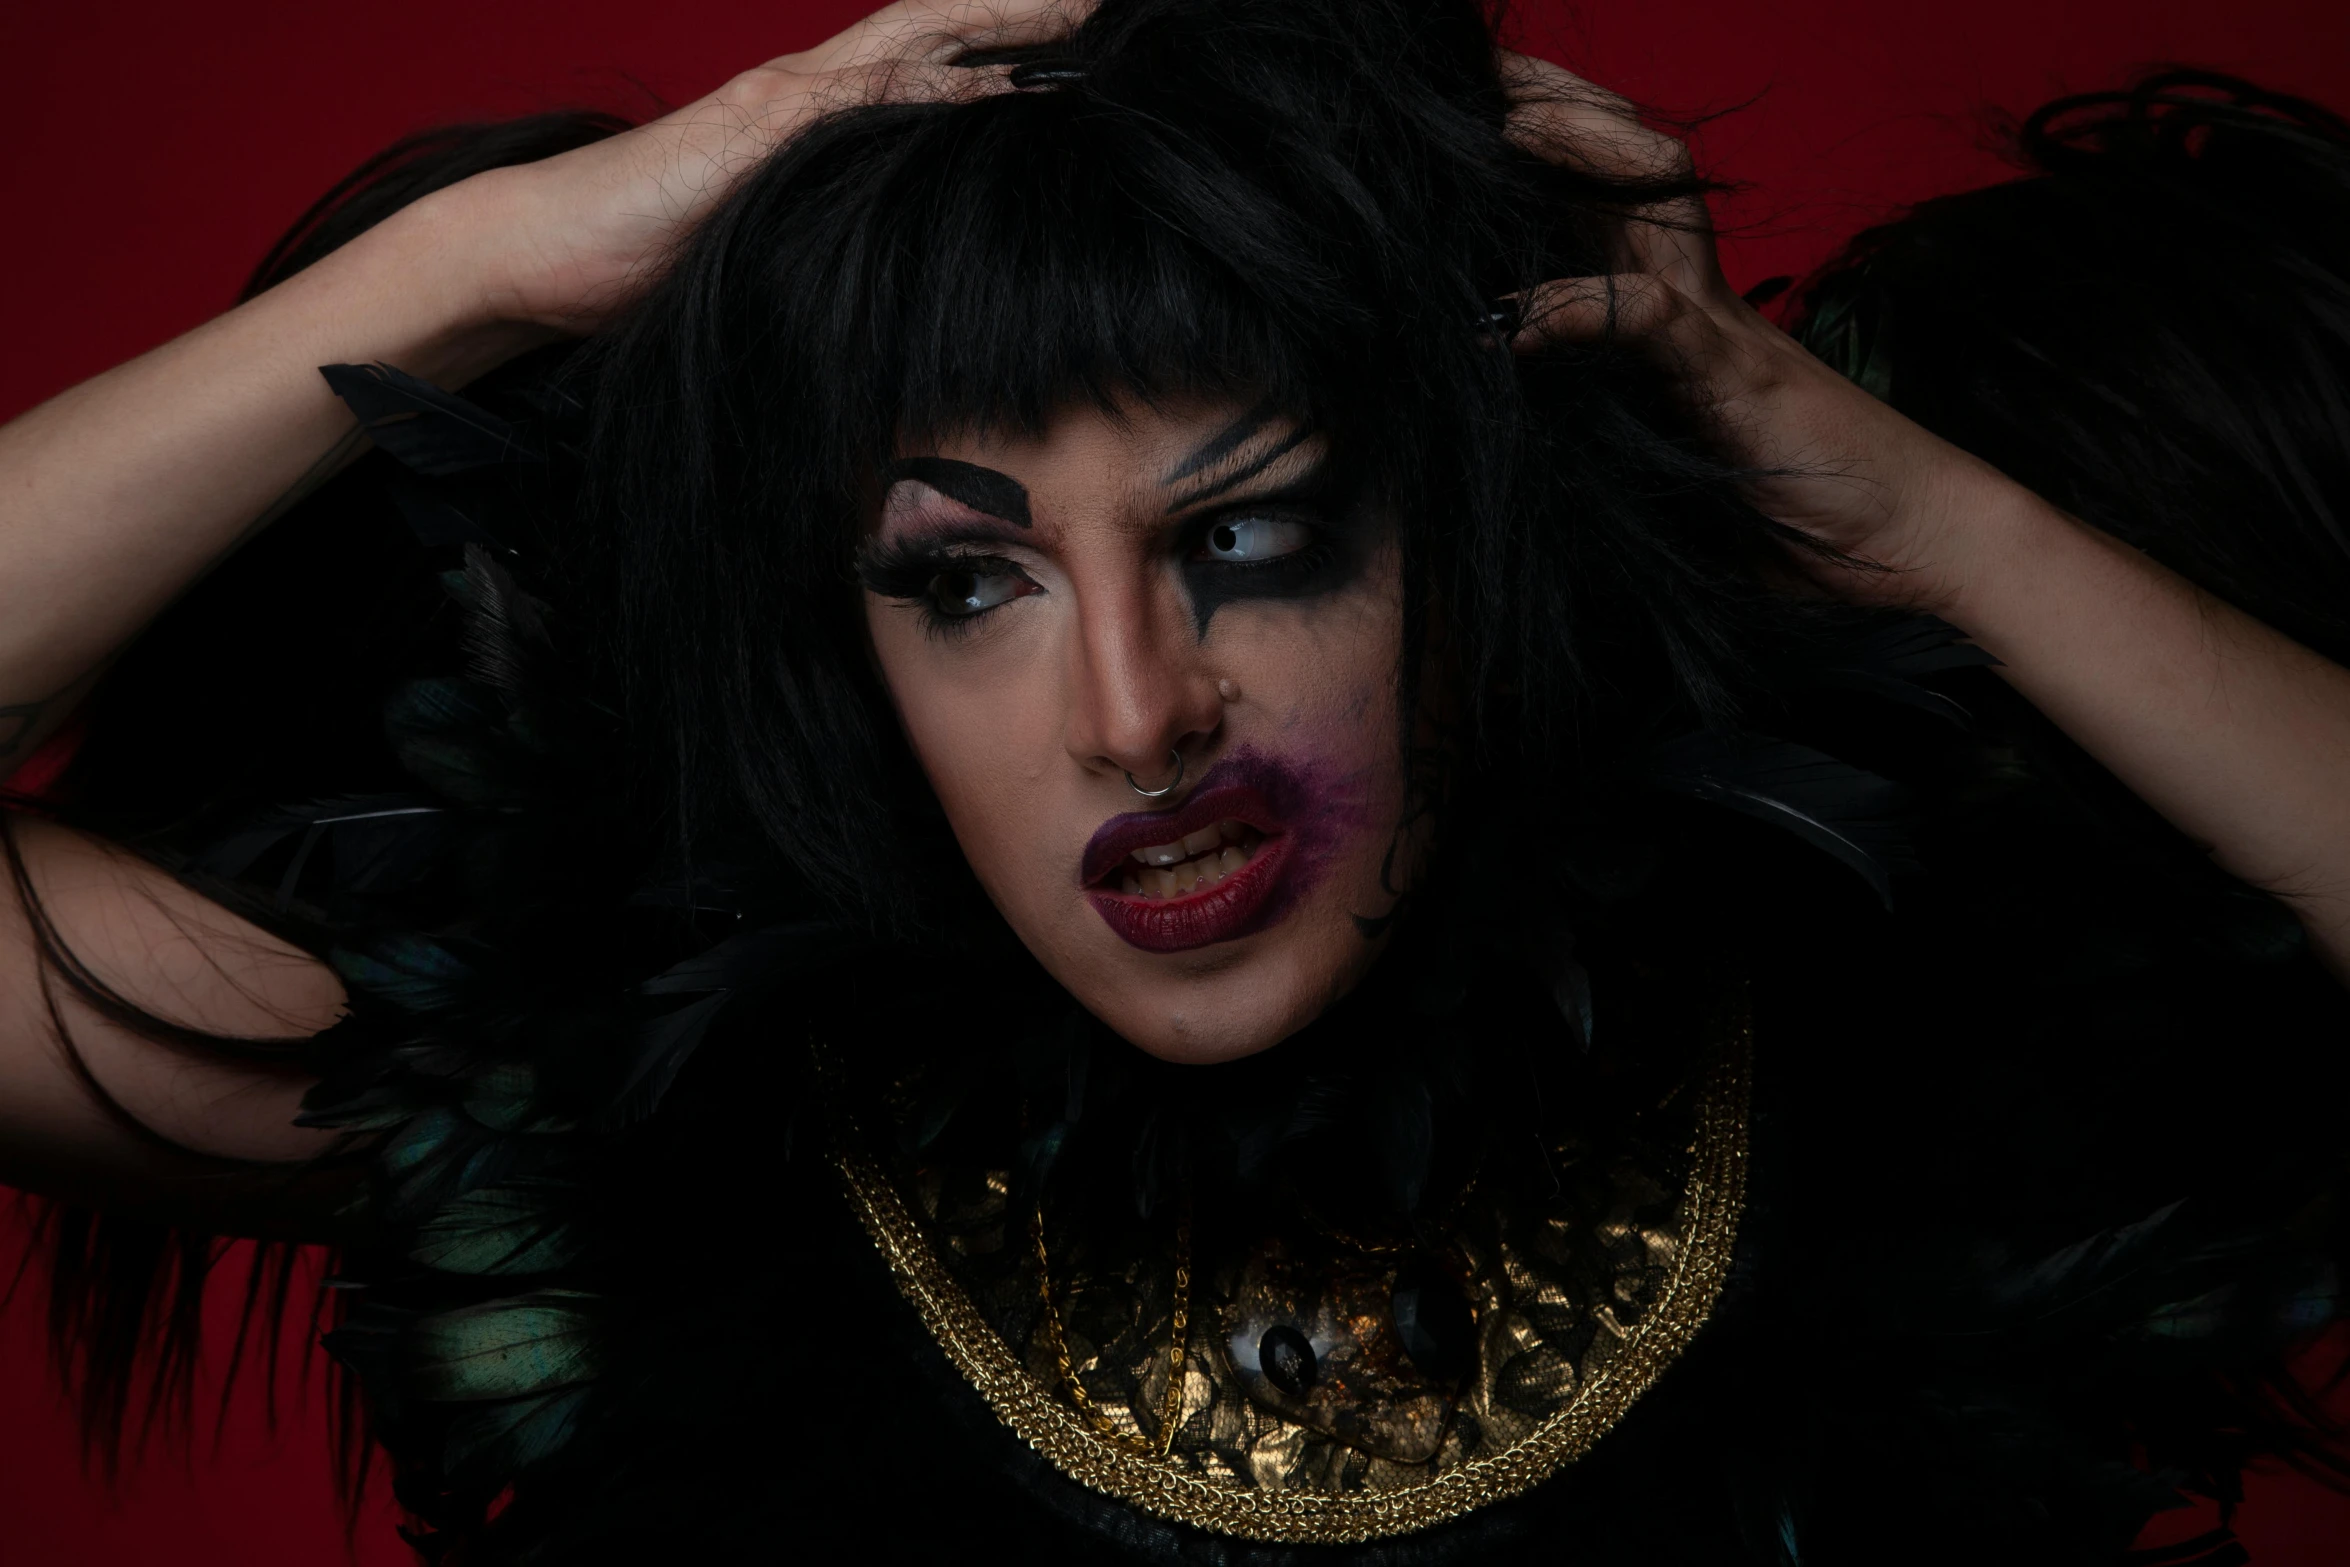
[{"x": 1580, "y": 1303}]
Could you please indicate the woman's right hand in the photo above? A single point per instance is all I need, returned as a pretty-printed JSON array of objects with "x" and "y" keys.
[{"x": 564, "y": 243}]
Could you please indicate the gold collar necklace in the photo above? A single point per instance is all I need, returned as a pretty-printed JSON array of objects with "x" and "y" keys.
[{"x": 1291, "y": 1401}]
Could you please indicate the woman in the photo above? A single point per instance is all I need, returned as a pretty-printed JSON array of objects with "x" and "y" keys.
[{"x": 1286, "y": 502}]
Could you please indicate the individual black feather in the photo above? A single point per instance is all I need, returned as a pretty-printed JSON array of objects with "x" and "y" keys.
[
  {"x": 518, "y": 1226},
  {"x": 428, "y": 430},
  {"x": 2085, "y": 1266},
  {"x": 413, "y": 973},
  {"x": 438, "y": 1156},
  {"x": 455, "y": 737},
  {"x": 1856, "y": 816},
  {"x": 378, "y": 843},
  {"x": 1887, "y": 662},
  {"x": 434, "y": 518},
  {"x": 505, "y": 636},
  {"x": 510, "y": 1435},
  {"x": 739, "y": 969}
]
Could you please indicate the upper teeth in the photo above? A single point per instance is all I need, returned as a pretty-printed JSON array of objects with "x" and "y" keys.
[
  {"x": 1204, "y": 858},
  {"x": 1191, "y": 846}
]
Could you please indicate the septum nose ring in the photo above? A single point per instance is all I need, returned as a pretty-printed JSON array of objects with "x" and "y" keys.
[{"x": 1170, "y": 786}]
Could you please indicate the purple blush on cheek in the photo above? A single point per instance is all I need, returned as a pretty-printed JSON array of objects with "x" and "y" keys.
[{"x": 1325, "y": 809}]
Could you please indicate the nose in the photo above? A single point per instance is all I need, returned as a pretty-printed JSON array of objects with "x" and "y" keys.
[{"x": 1139, "y": 689}]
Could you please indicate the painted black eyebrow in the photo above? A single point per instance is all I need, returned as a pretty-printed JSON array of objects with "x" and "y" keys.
[
  {"x": 981, "y": 489},
  {"x": 951, "y": 536},
  {"x": 1242, "y": 475},
  {"x": 1222, "y": 444}
]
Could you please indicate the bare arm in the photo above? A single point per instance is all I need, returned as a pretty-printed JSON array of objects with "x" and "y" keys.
[
  {"x": 2238, "y": 735},
  {"x": 115, "y": 495},
  {"x": 118, "y": 494},
  {"x": 182, "y": 1123}
]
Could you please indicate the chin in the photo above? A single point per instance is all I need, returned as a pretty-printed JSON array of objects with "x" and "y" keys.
[
  {"x": 1199, "y": 1037},
  {"x": 1251, "y": 1003}
]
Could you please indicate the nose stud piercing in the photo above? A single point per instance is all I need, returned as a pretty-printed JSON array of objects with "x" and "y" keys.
[{"x": 1160, "y": 793}]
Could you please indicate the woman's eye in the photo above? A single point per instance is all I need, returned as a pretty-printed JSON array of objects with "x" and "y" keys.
[
  {"x": 977, "y": 588},
  {"x": 1247, "y": 539}
]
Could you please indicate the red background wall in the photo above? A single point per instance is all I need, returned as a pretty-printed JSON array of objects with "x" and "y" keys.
[{"x": 157, "y": 148}]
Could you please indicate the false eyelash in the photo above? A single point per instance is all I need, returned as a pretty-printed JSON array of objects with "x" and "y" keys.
[
  {"x": 891, "y": 571},
  {"x": 903, "y": 570}
]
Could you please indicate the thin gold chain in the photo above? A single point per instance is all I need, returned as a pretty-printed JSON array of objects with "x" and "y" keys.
[{"x": 1178, "y": 1339}]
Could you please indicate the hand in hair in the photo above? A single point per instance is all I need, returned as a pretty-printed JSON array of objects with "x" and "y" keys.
[
  {"x": 572, "y": 238},
  {"x": 2239, "y": 735},
  {"x": 1829, "y": 460},
  {"x": 114, "y": 496}
]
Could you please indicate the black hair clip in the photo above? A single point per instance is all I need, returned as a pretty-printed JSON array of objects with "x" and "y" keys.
[{"x": 1030, "y": 74}]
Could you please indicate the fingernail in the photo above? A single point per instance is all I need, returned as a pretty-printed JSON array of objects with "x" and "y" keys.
[
  {"x": 1045, "y": 73},
  {"x": 1503, "y": 318}
]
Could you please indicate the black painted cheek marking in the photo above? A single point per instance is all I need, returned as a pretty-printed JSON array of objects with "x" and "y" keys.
[
  {"x": 1208, "y": 594},
  {"x": 1211, "y": 589},
  {"x": 1351, "y": 530},
  {"x": 981, "y": 489}
]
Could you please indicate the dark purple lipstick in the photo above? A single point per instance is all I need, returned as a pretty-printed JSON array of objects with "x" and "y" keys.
[{"x": 1231, "y": 860}]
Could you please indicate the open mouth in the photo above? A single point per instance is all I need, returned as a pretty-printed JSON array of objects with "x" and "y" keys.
[
  {"x": 1168, "y": 881},
  {"x": 1191, "y": 864}
]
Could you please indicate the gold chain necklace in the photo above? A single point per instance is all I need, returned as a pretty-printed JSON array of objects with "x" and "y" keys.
[{"x": 1178, "y": 1337}]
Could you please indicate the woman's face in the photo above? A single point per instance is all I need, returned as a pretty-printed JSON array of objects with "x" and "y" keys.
[{"x": 1054, "y": 616}]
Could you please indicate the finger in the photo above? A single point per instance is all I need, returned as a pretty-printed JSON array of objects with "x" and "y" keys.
[
  {"x": 950, "y": 51},
  {"x": 1557, "y": 115},
  {"x": 1564, "y": 119},
  {"x": 998, "y": 25},
  {"x": 918, "y": 80},
  {"x": 941, "y": 30},
  {"x": 1636, "y": 306}
]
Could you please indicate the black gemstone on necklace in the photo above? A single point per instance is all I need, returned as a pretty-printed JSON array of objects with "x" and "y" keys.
[
  {"x": 1288, "y": 1360},
  {"x": 1433, "y": 1319}
]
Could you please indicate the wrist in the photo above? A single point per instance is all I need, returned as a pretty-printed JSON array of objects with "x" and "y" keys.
[
  {"x": 1970, "y": 533},
  {"x": 423, "y": 285},
  {"x": 2004, "y": 549}
]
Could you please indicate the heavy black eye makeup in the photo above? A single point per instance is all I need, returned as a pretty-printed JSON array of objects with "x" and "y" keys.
[
  {"x": 1307, "y": 538},
  {"x": 985, "y": 490},
  {"x": 949, "y": 578},
  {"x": 950, "y": 574},
  {"x": 1298, "y": 539}
]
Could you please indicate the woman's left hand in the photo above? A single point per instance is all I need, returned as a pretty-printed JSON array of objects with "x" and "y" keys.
[
  {"x": 2240, "y": 736},
  {"x": 1836, "y": 463}
]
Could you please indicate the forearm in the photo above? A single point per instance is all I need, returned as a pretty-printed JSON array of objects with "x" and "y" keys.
[
  {"x": 117, "y": 494},
  {"x": 96, "y": 1113},
  {"x": 2237, "y": 735}
]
